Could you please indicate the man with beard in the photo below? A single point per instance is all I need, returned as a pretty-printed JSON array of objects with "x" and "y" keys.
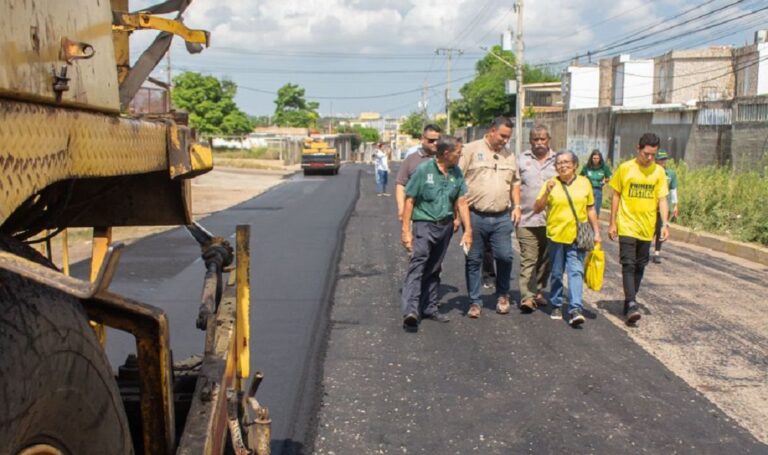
[{"x": 536, "y": 165}]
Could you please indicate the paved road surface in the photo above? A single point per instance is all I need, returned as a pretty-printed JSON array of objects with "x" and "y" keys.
[
  {"x": 516, "y": 383},
  {"x": 296, "y": 229}
]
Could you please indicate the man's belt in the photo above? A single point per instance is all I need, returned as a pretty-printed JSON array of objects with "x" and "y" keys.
[{"x": 481, "y": 213}]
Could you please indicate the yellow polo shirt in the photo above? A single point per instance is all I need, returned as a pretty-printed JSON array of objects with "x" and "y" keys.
[
  {"x": 640, "y": 189},
  {"x": 561, "y": 225}
]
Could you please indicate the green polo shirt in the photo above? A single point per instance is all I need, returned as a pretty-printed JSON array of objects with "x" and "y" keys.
[{"x": 434, "y": 194}]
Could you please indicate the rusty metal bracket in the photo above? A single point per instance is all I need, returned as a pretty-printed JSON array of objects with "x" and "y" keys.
[
  {"x": 73, "y": 50},
  {"x": 55, "y": 279}
]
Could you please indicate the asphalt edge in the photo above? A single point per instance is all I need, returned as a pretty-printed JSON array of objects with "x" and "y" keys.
[
  {"x": 677, "y": 233},
  {"x": 308, "y": 408}
]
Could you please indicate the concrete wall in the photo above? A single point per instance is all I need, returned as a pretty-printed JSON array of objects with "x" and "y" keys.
[
  {"x": 583, "y": 87},
  {"x": 606, "y": 82},
  {"x": 589, "y": 129},
  {"x": 698, "y": 74},
  {"x": 749, "y": 146},
  {"x": 633, "y": 83}
]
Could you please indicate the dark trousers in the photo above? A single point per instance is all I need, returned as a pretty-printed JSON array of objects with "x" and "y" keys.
[
  {"x": 657, "y": 232},
  {"x": 633, "y": 255},
  {"x": 420, "y": 290}
]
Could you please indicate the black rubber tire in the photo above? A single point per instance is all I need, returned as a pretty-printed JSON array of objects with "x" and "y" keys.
[{"x": 56, "y": 386}]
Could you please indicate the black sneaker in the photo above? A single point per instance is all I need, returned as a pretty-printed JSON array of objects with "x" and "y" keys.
[
  {"x": 576, "y": 318},
  {"x": 632, "y": 313},
  {"x": 556, "y": 313},
  {"x": 437, "y": 317},
  {"x": 411, "y": 321}
]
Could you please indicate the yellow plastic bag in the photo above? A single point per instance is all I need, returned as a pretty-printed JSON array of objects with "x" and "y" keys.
[{"x": 594, "y": 268}]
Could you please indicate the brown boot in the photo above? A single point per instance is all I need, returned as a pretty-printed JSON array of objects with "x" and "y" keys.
[
  {"x": 474, "y": 311},
  {"x": 528, "y": 306},
  {"x": 502, "y": 304}
]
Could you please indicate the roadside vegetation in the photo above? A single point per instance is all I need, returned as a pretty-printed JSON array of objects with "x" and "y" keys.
[{"x": 720, "y": 201}]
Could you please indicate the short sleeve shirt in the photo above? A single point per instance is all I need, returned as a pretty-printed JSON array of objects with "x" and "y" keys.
[
  {"x": 596, "y": 175},
  {"x": 434, "y": 193},
  {"x": 489, "y": 175},
  {"x": 640, "y": 189},
  {"x": 561, "y": 224},
  {"x": 533, "y": 174},
  {"x": 409, "y": 165}
]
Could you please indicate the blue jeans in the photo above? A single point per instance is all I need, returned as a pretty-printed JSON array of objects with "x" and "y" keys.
[
  {"x": 570, "y": 260},
  {"x": 495, "y": 230},
  {"x": 381, "y": 181},
  {"x": 598, "y": 193}
]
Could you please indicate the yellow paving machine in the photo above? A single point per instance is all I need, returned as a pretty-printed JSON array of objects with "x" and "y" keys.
[
  {"x": 72, "y": 156},
  {"x": 319, "y": 155}
]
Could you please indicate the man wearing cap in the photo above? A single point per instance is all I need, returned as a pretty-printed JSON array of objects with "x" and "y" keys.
[
  {"x": 639, "y": 193},
  {"x": 661, "y": 160},
  {"x": 494, "y": 188},
  {"x": 433, "y": 194}
]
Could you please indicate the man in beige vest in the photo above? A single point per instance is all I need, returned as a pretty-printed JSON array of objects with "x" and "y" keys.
[{"x": 490, "y": 170}]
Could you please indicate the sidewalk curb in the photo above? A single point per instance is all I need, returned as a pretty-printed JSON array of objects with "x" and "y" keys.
[{"x": 714, "y": 242}]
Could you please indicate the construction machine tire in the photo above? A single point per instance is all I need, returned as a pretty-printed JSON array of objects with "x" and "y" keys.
[{"x": 57, "y": 390}]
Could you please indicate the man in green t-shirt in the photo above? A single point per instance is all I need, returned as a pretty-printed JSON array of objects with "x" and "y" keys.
[
  {"x": 661, "y": 160},
  {"x": 639, "y": 191},
  {"x": 433, "y": 193}
]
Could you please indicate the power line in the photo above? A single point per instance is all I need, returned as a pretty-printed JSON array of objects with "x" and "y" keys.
[
  {"x": 335, "y": 55},
  {"x": 630, "y": 38},
  {"x": 291, "y": 71},
  {"x": 588, "y": 27},
  {"x": 385, "y": 95}
]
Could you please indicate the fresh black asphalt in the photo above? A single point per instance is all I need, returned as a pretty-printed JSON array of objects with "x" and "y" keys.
[
  {"x": 497, "y": 385},
  {"x": 500, "y": 384},
  {"x": 296, "y": 230}
]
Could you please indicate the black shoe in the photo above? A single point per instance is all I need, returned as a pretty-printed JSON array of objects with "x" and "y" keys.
[
  {"x": 437, "y": 317},
  {"x": 576, "y": 318},
  {"x": 411, "y": 321},
  {"x": 631, "y": 312}
]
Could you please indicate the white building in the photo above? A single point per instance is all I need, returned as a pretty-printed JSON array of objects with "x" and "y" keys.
[
  {"x": 581, "y": 87},
  {"x": 632, "y": 82}
]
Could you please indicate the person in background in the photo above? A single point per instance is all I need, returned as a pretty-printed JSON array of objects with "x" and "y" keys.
[
  {"x": 562, "y": 196},
  {"x": 425, "y": 152},
  {"x": 536, "y": 166},
  {"x": 381, "y": 166},
  {"x": 639, "y": 193},
  {"x": 598, "y": 173},
  {"x": 434, "y": 193},
  {"x": 661, "y": 160}
]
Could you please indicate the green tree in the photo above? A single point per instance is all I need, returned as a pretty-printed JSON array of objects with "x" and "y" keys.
[
  {"x": 210, "y": 103},
  {"x": 413, "y": 125},
  {"x": 291, "y": 109},
  {"x": 361, "y": 133},
  {"x": 259, "y": 120},
  {"x": 484, "y": 98}
]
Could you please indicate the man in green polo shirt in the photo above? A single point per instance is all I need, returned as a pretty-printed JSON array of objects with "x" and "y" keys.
[{"x": 434, "y": 191}]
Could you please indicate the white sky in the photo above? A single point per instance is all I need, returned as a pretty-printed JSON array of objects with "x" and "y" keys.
[{"x": 372, "y": 49}]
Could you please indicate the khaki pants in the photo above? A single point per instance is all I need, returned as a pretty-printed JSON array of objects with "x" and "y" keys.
[{"x": 534, "y": 260}]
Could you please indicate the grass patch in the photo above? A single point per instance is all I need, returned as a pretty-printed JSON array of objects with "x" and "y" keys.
[
  {"x": 721, "y": 201},
  {"x": 258, "y": 153}
]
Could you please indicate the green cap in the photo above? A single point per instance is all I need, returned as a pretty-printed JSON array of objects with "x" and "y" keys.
[{"x": 662, "y": 155}]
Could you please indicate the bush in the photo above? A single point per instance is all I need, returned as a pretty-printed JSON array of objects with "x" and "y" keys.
[
  {"x": 720, "y": 201},
  {"x": 261, "y": 153}
]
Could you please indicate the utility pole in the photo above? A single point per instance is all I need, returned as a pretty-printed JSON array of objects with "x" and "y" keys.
[
  {"x": 520, "y": 100},
  {"x": 168, "y": 71},
  {"x": 424, "y": 114},
  {"x": 448, "y": 51}
]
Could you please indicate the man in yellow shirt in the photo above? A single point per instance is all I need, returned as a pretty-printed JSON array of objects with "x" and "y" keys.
[{"x": 639, "y": 191}]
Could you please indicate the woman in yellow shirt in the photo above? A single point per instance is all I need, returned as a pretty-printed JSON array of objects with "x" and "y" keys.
[{"x": 565, "y": 257}]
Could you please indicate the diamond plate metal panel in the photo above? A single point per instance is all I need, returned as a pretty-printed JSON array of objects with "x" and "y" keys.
[{"x": 41, "y": 145}]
